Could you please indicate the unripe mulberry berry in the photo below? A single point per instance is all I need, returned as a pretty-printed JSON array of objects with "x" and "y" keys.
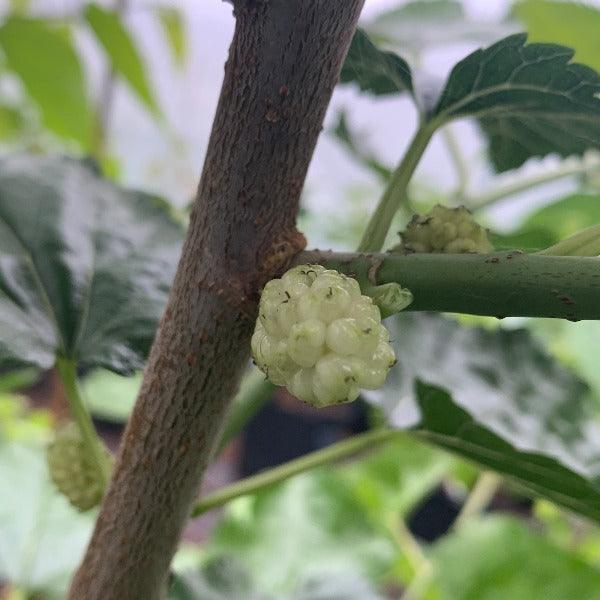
[
  {"x": 320, "y": 337},
  {"x": 73, "y": 470},
  {"x": 445, "y": 230}
]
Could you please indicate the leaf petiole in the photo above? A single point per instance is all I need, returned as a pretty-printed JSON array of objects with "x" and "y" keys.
[
  {"x": 67, "y": 370},
  {"x": 395, "y": 193}
]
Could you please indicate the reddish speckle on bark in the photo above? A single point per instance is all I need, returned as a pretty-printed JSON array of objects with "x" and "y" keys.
[
  {"x": 272, "y": 115},
  {"x": 284, "y": 90},
  {"x": 191, "y": 359},
  {"x": 373, "y": 271}
]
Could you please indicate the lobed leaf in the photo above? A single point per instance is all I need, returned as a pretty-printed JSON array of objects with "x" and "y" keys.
[
  {"x": 499, "y": 557},
  {"x": 373, "y": 70},
  {"x": 85, "y": 266},
  {"x": 530, "y": 99},
  {"x": 53, "y": 79},
  {"x": 495, "y": 398}
]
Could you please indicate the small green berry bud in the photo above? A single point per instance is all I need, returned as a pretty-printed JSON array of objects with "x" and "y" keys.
[
  {"x": 73, "y": 470},
  {"x": 444, "y": 230}
]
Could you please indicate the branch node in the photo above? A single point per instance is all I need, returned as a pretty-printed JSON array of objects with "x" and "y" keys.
[{"x": 281, "y": 252}]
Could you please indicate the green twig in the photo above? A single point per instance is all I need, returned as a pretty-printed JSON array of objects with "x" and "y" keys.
[
  {"x": 381, "y": 220},
  {"x": 335, "y": 452},
  {"x": 420, "y": 584},
  {"x": 481, "y": 495},
  {"x": 254, "y": 393},
  {"x": 458, "y": 160},
  {"x": 567, "y": 168},
  {"x": 505, "y": 284},
  {"x": 412, "y": 551},
  {"x": 67, "y": 371}
]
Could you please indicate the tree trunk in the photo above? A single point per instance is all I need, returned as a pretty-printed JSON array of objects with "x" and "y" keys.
[{"x": 283, "y": 64}]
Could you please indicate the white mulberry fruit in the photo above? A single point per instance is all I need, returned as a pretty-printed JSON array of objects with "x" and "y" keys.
[
  {"x": 320, "y": 337},
  {"x": 445, "y": 230},
  {"x": 73, "y": 470}
]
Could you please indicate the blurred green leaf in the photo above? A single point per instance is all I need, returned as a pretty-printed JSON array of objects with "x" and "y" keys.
[
  {"x": 326, "y": 532},
  {"x": 224, "y": 578},
  {"x": 254, "y": 392},
  {"x": 109, "y": 396},
  {"x": 16, "y": 380},
  {"x": 392, "y": 481},
  {"x": 53, "y": 78},
  {"x": 346, "y": 586},
  {"x": 122, "y": 52},
  {"x": 421, "y": 25},
  {"x": 576, "y": 344},
  {"x": 498, "y": 558},
  {"x": 171, "y": 21},
  {"x": 42, "y": 538},
  {"x": 573, "y": 24},
  {"x": 11, "y": 122},
  {"x": 342, "y": 520},
  {"x": 349, "y": 140},
  {"x": 19, "y": 7},
  {"x": 552, "y": 223},
  {"x": 500, "y": 401},
  {"x": 85, "y": 266},
  {"x": 373, "y": 70},
  {"x": 447, "y": 425},
  {"x": 21, "y": 424},
  {"x": 569, "y": 532},
  {"x": 529, "y": 239},
  {"x": 221, "y": 578}
]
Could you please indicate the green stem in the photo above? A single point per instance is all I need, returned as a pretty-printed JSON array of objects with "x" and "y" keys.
[
  {"x": 335, "y": 452},
  {"x": 381, "y": 220},
  {"x": 505, "y": 284},
  {"x": 412, "y": 551},
  {"x": 460, "y": 165},
  {"x": 67, "y": 370},
  {"x": 583, "y": 243},
  {"x": 408, "y": 544},
  {"x": 420, "y": 584},
  {"x": 567, "y": 168},
  {"x": 254, "y": 393},
  {"x": 481, "y": 495}
]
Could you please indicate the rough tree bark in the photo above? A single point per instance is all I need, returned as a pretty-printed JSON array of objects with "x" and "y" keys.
[{"x": 283, "y": 64}]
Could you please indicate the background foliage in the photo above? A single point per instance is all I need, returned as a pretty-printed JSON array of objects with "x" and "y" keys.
[{"x": 86, "y": 263}]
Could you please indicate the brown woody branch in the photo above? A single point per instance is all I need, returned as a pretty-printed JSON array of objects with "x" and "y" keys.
[{"x": 283, "y": 64}]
